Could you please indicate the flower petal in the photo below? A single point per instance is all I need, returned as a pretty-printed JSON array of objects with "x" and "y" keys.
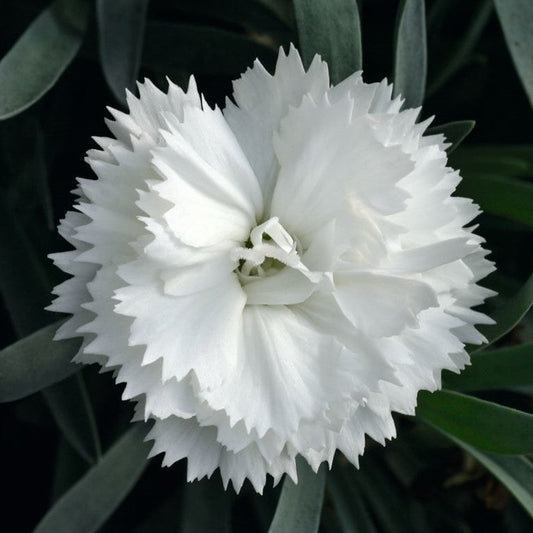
[
  {"x": 382, "y": 305},
  {"x": 198, "y": 331},
  {"x": 263, "y": 100}
]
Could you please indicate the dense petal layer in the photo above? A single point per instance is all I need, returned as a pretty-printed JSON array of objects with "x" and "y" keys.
[{"x": 275, "y": 279}]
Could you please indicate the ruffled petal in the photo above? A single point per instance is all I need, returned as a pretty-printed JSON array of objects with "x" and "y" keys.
[{"x": 262, "y": 100}]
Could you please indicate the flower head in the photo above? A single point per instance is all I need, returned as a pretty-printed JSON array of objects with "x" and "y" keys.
[{"x": 276, "y": 278}]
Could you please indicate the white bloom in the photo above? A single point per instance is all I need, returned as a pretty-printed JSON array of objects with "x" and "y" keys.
[{"x": 276, "y": 278}]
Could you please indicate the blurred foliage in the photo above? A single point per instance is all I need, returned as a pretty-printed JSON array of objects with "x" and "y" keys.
[{"x": 69, "y": 452}]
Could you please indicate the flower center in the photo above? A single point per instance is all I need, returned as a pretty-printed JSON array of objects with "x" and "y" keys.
[
  {"x": 269, "y": 248},
  {"x": 271, "y": 270}
]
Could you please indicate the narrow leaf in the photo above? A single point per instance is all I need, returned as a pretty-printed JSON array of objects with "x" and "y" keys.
[
  {"x": 121, "y": 32},
  {"x": 34, "y": 363},
  {"x": 73, "y": 413},
  {"x": 410, "y": 57},
  {"x": 500, "y": 195},
  {"x": 454, "y": 132},
  {"x": 462, "y": 51},
  {"x": 484, "y": 424},
  {"x": 509, "y": 315},
  {"x": 88, "y": 504},
  {"x": 346, "y": 497},
  {"x": 516, "y": 18},
  {"x": 69, "y": 467},
  {"x": 516, "y": 473},
  {"x": 384, "y": 496},
  {"x": 507, "y": 160},
  {"x": 206, "y": 508},
  {"x": 261, "y": 17},
  {"x": 300, "y": 505},
  {"x": 201, "y": 49},
  {"x": 42, "y": 53},
  {"x": 496, "y": 369},
  {"x": 332, "y": 29},
  {"x": 23, "y": 283}
]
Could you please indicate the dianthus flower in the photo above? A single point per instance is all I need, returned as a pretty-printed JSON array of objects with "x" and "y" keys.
[{"x": 274, "y": 279}]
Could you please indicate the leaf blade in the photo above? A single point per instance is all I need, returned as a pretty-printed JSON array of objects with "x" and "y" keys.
[
  {"x": 454, "y": 132},
  {"x": 516, "y": 19},
  {"x": 299, "y": 506},
  {"x": 516, "y": 473},
  {"x": 201, "y": 49},
  {"x": 87, "y": 505},
  {"x": 495, "y": 369},
  {"x": 73, "y": 413},
  {"x": 410, "y": 55},
  {"x": 35, "y": 362},
  {"x": 508, "y": 316},
  {"x": 332, "y": 29},
  {"x": 41, "y": 54},
  {"x": 120, "y": 32},
  {"x": 500, "y": 195},
  {"x": 483, "y": 424}
]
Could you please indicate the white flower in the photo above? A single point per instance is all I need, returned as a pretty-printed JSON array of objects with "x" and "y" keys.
[{"x": 276, "y": 278}]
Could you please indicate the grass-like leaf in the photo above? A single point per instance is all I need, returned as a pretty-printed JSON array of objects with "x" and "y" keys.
[
  {"x": 454, "y": 132},
  {"x": 384, "y": 496},
  {"x": 73, "y": 413},
  {"x": 201, "y": 49},
  {"x": 121, "y": 33},
  {"x": 516, "y": 473},
  {"x": 483, "y": 424},
  {"x": 496, "y": 369},
  {"x": 259, "y": 16},
  {"x": 461, "y": 53},
  {"x": 410, "y": 54},
  {"x": 206, "y": 507},
  {"x": 34, "y": 363},
  {"x": 332, "y": 29},
  {"x": 509, "y": 315},
  {"x": 346, "y": 497},
  {"x": 41, "y": 54},
  {"x": 499, "y": 195},
  {"x": 299, "y": 506},
  {"x": 516, "y": 17},
  {"x": 88, "y": 504},
  {"x": 499, "y": 159}
]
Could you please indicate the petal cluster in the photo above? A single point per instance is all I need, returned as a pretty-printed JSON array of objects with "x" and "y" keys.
[{"x": 276, "y": 278}]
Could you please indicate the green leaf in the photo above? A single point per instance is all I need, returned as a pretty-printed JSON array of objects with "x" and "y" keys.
[
  {"x": 121, "y": 31},
  {"x": 250, "y": 14},
  {"x": 383, "y": 495},
  {"x": 206, "y": 507},
  {"x": 332, "y": 29},
  {"x": 69, "y": 467},
  {"x": 201, "y": 49},
  {"x": 410, "y": 54},
  {"x": 346, "y": 497},
  {"x": 516, "y": 18},
  {"x": 88, "y": 504},
  {"x": 484, "y": 424},
  {"x": 23, "y": 283},
  {"x": 496, "y": 369},
  {"x": 300, "y": 505},
  {"x": 516, "y": 473},
  {"x": 509, "y": 315},
  {"x": 507, "y": 160},
  {"x": 454, "y": 132},
  {"x": 462, "y": 51},
  {"x": 42, "y": 53},
  {"x": 499, "y": 195},
  {"x": 35, "y": 362},
  {"x": 73, "y": 413}
]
